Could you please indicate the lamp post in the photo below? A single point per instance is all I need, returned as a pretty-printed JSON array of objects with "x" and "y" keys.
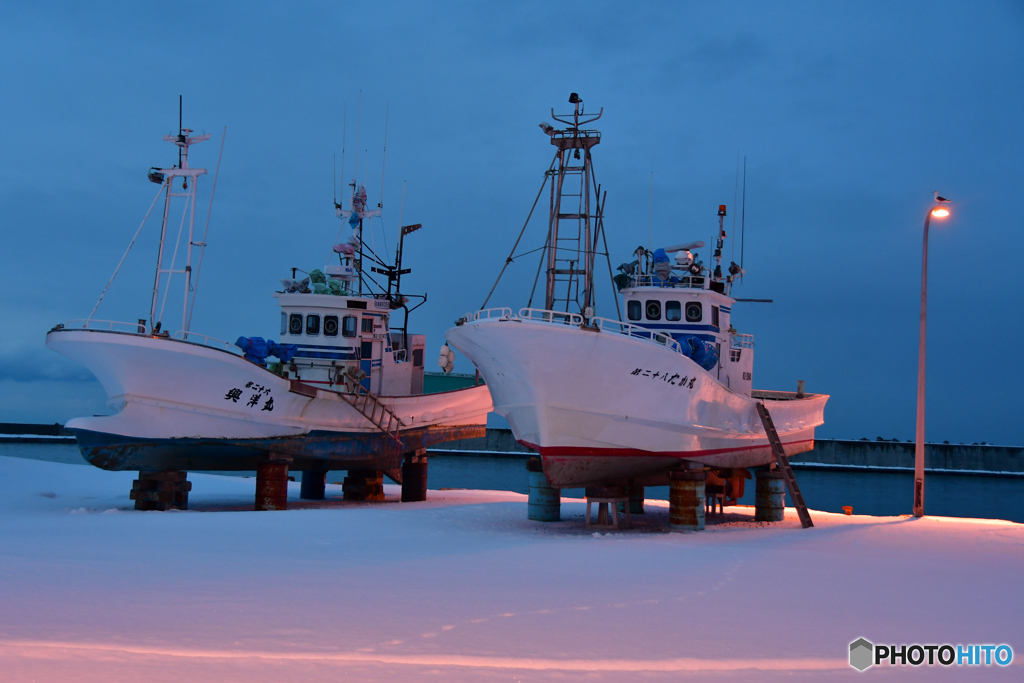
[{"x": 939, "y": 211}]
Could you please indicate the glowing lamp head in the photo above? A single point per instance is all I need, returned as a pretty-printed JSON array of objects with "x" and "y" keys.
[{"x": 940, "y": 212}]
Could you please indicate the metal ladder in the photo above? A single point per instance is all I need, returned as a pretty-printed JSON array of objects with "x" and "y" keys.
[
  {"x": 784, "y": 467},
  {"x": 374, "y": 410}
]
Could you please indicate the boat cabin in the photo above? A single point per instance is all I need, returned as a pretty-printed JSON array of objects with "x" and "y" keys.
[
  {"x": 694, "y": 306},
  {"x": 346, "y": 339}
]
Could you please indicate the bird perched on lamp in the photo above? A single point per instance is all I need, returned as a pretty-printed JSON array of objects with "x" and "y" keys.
[{"x": 939, "y": 199}]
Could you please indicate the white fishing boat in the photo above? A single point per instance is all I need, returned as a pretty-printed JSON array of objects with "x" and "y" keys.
[
  {"x": 346, "y": 390},
  {"x": 623, "y": 401}
]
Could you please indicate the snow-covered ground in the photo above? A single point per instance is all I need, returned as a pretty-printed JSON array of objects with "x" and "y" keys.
[{"x": 464, "y": 587}]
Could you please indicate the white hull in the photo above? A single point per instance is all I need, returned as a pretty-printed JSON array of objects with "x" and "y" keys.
[
  {"x": 602, "y": 406},
  {"x": 211, "y": 409}
]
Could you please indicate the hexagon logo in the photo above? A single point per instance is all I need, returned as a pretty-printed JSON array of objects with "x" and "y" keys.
[{"x": 862, "y": 654}]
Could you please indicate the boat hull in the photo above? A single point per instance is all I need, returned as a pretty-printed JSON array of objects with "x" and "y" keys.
[
  {"x": 181, "y": 405},
  {"x": 601, "y": 406}
]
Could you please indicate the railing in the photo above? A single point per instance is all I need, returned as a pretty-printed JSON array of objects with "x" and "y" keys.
[
  {"x": 543, "y": 315},
  {"x": 609, "y": 325},
  {"x": 742, "y": 341},
  {"x": 685, "y": 282},
  {"x": 489, "y": 313},
  {"x": 111, "y": 325},
  {"x": 205, "y": 340}
]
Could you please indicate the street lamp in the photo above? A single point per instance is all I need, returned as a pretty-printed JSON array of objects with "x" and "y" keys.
[{"x": 939, "y": 211}]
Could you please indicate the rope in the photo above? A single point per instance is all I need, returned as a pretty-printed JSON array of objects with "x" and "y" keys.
[
  {"x": 119, "y": 264},
  {"x": 509, "y": 259}
]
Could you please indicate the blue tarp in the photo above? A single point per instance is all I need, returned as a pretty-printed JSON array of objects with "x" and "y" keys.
[
  {"x": 700, "y": 352},
  {"x": 256, "y": 349}
]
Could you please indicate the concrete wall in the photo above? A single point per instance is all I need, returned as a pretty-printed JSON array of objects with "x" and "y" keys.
[
  {"x": 901, "y": 454},
  {"x": 826, "y": 451}
]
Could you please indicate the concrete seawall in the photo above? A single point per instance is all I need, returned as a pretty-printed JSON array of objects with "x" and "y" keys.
[{"x": 830, "y": 453}]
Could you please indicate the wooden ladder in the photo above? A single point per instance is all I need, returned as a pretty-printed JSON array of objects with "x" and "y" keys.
[{"x": 784, "y": 467}]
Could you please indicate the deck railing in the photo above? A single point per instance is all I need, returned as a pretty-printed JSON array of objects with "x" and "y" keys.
[
  {"x": 543, "y": 315},
  {"x": 609, "y": 325},
  {"x": 563, "y": 318},
  {"x": 111, "y": 325},
  {"x": 485, "y": 313},
  {"x": 206, "y": 340},
  {"x": 743, "y": 341},
  {"x": 140, "y": 329}
]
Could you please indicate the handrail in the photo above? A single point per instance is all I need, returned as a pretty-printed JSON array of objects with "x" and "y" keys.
[
  {"x": 544, "y": 315},
  {"x": 742, "y": 341},
  {"x": 685, "y": 282},
  {"x": 610, "y": 325},
  {"x": 207, "y": 340},
  {"x": 485, "y": 313},
  {"x": 112, "y": 325}
]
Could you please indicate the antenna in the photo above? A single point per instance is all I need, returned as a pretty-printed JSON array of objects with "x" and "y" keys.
[
  {"x": 359, "y": 120},
  {"x": 735, "y": 202},
  {"x": 650, "y": 214},
  {"x": 179, "y": 130},
  {"x": 344, "y": 123},
  {"x": 334, "y": 184},
  {"x": 384, "y": 158},
  {"x": 383, "y": 162},
  {"x": 743, "y": 221}
]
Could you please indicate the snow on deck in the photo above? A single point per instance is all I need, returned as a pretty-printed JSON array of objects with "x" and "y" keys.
[{"x": 464, "y": 587}]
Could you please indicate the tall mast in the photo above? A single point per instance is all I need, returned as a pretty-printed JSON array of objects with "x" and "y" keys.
[
  {"x": 572, "y": 221},
  {"x": 186, "y": 191}
]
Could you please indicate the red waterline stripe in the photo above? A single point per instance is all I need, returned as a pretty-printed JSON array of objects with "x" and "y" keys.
[{"x": 624, "y": 452}]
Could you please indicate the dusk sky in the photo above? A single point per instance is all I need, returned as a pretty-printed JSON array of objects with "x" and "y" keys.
[{"x": 849, "y": 115}]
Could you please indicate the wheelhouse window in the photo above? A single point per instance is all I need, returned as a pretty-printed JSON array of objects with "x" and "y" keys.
[
  {"x": 284, "y": 322},
  {"x": 633, "y": 310},
  {"x": 348, "y": 326},
  {"x": 694, "y": 312},
  {"x": 330, "y": 325},
  {"x": 368, "y": 324},
  {"x": 714, "y": 316},
  {"x": 312, "y": 325},
  {"x": 653, "y": 309},
  {"x": 295, "y": 324},
  {"x": 673, "y": 311}
]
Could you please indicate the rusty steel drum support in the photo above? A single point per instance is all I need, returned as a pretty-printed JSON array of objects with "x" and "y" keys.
[
  {"x": 414, "y": 476},
  {"x": 769, "y": 496},
  {"x": 686, "y": 500},
  {"x": 161, "y": 490},
  {"x": 363, "y": 485},
  {"x": 314, "y": 484},
  {"x": 272, "y": 486}
]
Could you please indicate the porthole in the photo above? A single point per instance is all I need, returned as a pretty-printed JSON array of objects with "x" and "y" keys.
[
  {"x": 312, "y": 325},
  {"x": 633, "y": 310},
  {"x": 673, "y": 311},
  {"x": 295, "y": 324},
  {"x": 331, "y": 325},
  {"x": 694, "y": 312},
  {"x": 653, "y": 310}
]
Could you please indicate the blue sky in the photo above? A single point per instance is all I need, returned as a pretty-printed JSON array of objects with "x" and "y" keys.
[{"x": 849, "y": 114}]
